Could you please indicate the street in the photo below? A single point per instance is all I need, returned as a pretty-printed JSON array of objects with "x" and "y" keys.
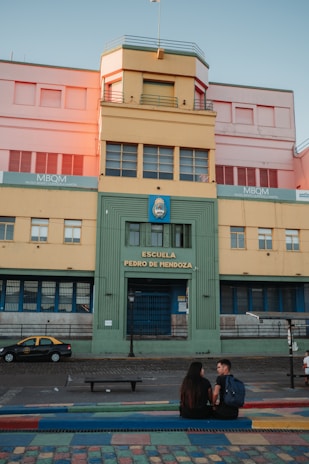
[{"x": 46, "y": 382}]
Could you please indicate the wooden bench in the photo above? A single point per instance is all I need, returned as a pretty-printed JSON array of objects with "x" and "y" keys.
[{"x": 133, "y": 381}]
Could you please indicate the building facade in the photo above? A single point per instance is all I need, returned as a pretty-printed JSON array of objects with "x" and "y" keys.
[{"x": 145, "y": 208}]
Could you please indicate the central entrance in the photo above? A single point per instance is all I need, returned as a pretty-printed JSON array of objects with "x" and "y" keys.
[{"x": 159, "y": 310}]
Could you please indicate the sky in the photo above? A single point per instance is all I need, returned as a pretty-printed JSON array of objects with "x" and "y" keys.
[{"x": 260, "y": 43}]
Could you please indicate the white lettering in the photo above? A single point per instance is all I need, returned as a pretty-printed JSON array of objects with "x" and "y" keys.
[
  {"x": 256, "y": 191},
  {"x": 53, "y": 178},
  {"x": 158, "y": 254}
]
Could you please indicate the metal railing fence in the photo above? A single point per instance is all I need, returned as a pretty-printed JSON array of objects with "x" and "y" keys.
[
  {"x": 274, "y": 330},
  {"x": 69, "y": 331},
  {"x": 148, "y": 42}
]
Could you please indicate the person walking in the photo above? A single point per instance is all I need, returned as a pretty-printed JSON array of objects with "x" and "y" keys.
[
  {"x": 195, "y": 394},
  {"x": 221, "y": 410},
  {"x": 306, "y": 367}
]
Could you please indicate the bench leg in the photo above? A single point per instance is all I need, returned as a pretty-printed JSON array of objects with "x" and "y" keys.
[{"x": 133, "y": 385}]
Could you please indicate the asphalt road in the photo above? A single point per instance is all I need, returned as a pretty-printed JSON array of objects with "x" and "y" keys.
[{"x": 50, "y": 383}]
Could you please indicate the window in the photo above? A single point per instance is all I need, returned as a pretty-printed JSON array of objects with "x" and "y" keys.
[
  {"x": 158, "y": 162},
  {"x": 76, "y": 98},
  {"x": 7, "y": 227},
  {"x": 246, "y": 176},
  {"x": 243, "y": 115},
  {"x": 72, "y": 231},
  {"x": 158, "y": 93},
  {"x": 12, "y": 294},
  {"x": 242, "y": 300},
  {"x": 24, "y": 93},
  {"x": 265, "y": 239},
  {"x": 65, "y": 302},
  {"x": 72, "y": 165},
  {"x": 237, "y": 237},
  {"x": 238, "y": 297},
  {"x": 199, "y": 99},
  {"x": 50, "y": 98},
  {"x": 46, "y": 295},
  {"x": 45, "y": 342},
  {"x": 83, "y": 297},
  {"x": 46, "y": 163},
  {"x": 39, "y": 230},
  {"x": 121, "y": 160},
  {"x": 20, "y": 161},
  {"x": 193, "y": 165},
  {"x": 114, "y": 92},
  {"x": 134, "y": 234},
  {"x": 292, "y": 240},
  {"x": 225, "y": 175},
  {"x": 181, "y": 235},
  {"x": 30, "y": 295},
  {"x": 257, "y": 299},
  {"x": 157, "y": 235},
  {"x": 269, "y": 178}
]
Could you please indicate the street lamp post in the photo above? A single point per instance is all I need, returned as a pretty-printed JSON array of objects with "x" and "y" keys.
[{"x": 131, "y": 307}]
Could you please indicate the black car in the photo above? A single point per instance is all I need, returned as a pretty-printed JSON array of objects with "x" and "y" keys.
[{"x": 35, "y": 348}]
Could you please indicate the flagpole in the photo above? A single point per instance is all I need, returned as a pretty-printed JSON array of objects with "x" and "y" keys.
[
  {"x": 159, "y": 18},
  {"x": 159, "y": 21}
]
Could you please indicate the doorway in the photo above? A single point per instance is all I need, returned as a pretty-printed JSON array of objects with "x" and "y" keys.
[{"x": 160, "y": 308}]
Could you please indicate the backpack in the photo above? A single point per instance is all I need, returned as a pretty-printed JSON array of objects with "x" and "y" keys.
[{"x": 235, "y": 392}]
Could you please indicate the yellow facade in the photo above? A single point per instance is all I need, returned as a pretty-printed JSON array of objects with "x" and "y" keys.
[
  {"x": 178, "y": 127},
  {"x": 253, "y": 215},
  {"x": 56, "y": 205}
]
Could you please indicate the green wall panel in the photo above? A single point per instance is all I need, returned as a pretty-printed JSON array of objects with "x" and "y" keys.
[{"x": 111, "y": 274}]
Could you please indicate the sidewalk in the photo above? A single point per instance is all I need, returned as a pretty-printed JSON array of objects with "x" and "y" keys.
[
  {"x": 277, "y": 434},
  {"x": 273, "y": 428}
]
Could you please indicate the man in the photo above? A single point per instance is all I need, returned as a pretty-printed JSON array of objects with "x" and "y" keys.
[
  {"x": 306, "y": 367},
  {"x": 220, "y": 409}
]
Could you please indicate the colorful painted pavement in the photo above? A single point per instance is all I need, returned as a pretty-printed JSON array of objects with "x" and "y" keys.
[
  {"x": 155, "y": 447},
  {"x": 276, "y": 435}
]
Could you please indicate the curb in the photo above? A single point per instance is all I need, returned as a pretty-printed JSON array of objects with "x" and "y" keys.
[{"x": 145, "y": 406}]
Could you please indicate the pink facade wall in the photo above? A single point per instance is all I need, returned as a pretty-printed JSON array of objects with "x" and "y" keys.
[
  {"x": 301, "y": 165},
  {"x": 56, "y": 110},
  {"x": 255, "y": 128},
  {"x": 48, "y": 109}
]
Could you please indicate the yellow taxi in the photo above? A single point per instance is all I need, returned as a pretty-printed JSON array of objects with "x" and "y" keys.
[{"x": 35, "y": 348}]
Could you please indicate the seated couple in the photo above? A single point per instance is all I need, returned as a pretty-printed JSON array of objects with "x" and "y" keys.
[{"x": 197, "y": 398}]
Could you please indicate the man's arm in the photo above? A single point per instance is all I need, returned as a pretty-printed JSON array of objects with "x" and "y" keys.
[{"x": 215, "y": 395}]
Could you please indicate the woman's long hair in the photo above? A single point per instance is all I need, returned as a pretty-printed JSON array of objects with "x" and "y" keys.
[{"x": 191, "y": 390}]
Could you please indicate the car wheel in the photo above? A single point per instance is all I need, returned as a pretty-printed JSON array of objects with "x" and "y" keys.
[
  {"x": 9, "y": 357},
  {"x": 55, "y": 357}
]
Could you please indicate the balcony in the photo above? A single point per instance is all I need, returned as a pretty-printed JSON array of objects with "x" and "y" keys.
[{"x": 112, "y": 96}]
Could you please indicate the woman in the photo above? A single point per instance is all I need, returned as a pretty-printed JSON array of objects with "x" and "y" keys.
[{"x": 195, "y": 394}]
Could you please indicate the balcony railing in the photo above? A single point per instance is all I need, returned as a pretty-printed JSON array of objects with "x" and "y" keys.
[
  {"x": 203, "y": 105},
  {"x": 112, "y": 96},
  {"x": 188, "y": 48},
  {"x": 158, "y": 100}
]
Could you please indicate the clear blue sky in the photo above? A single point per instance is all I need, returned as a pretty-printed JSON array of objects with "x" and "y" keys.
[{"x": 261, "y": 43}]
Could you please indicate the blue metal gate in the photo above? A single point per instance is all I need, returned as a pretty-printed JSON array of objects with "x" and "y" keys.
[{"x": 151, "y": 314}]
